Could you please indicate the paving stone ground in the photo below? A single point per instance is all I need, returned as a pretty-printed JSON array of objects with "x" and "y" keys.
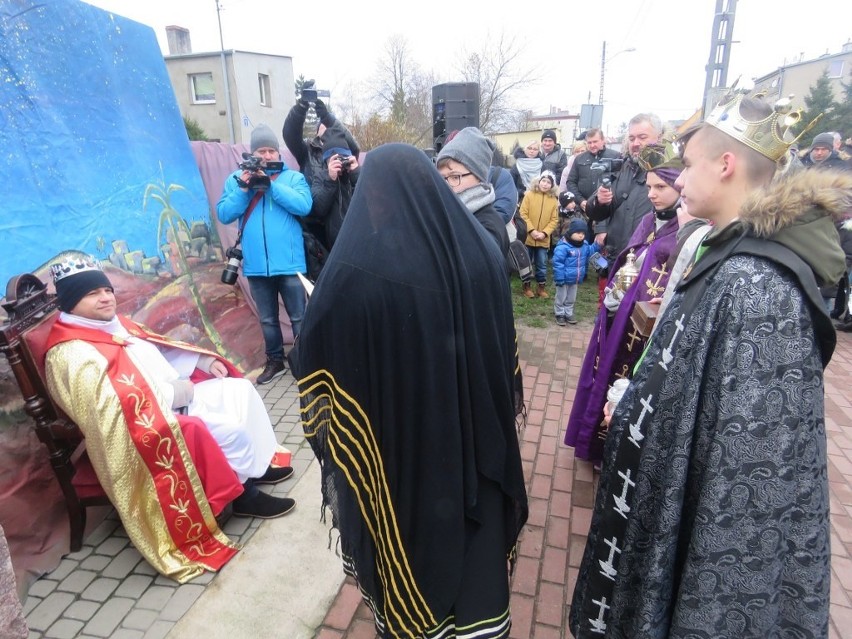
[
  {"x": 561, "y": 493},
  {"x": 108, "y": 590}
]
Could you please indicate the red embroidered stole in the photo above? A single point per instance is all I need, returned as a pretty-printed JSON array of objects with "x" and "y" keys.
[{"x": 156, "y": 443}]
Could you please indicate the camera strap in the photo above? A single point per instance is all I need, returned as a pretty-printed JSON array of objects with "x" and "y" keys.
[{"x": 247, "y": 213}]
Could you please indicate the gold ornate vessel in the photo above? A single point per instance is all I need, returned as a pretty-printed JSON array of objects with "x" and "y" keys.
[{"x": 627, "y": 274}]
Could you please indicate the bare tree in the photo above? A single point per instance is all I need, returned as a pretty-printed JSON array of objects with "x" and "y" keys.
[
  {"x": 402, "y": 106},
  {"x": 348, "y": 101},
  {"x": 418, "y": 115},
  {"x": 395, "y": 69},
  {"x": 404, "y": 93},
  {"x": 374, "y": 131},
  {"x": 496, "y": 69}
]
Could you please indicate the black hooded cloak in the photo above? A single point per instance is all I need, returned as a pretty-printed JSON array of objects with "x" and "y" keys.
[{"x": 406, "y": 364}]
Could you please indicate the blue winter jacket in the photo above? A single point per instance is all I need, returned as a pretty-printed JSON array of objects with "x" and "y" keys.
[
  {"x": 570, "y": 262},
  {"x": 272, "y": 241},
  {"x": 505, "y": 193}
]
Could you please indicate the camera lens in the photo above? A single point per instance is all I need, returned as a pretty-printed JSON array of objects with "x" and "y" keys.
[{"x": 229, "y": 275}]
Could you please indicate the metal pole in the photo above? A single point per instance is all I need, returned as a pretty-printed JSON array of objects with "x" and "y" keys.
[
  {"x": 225, "y": 76},
  {"x": 603, "y": 70},
  {"x": 721, "y": 40}
]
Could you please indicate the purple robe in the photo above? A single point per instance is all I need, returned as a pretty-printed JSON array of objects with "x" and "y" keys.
[{"x": 615, "y": 345}]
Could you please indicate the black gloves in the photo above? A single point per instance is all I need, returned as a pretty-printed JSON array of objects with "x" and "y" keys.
[{"x": 321, "y": 109}]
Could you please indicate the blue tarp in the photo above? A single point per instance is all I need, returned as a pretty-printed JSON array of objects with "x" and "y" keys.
[{"x": 89, "y": 120}]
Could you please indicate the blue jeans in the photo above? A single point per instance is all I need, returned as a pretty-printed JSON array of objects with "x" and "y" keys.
[
  {"x": 265, "y": 291},
  {"x": 538, "y": 256}
]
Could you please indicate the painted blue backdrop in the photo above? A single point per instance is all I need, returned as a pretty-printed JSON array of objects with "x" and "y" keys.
[{"x": 88, "y": 120}]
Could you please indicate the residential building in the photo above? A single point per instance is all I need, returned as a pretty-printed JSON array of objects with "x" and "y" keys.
[
  {"x": 798, "y": 77},
  {"x": 562, "y": 122},
  {"x": 260, "y": 88}
]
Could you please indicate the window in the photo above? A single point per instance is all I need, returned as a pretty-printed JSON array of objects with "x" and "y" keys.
[
  {"x": 263, "y": 85},
  {"x": 835, "y": 69},
  {"x": 201, "y": 86}
]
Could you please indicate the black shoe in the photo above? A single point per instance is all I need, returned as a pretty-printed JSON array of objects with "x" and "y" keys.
[
  {"x": 845, "y": 326},
  {"x": 274, "y": 476},
  {"x": 273, "y": 369},
  {"x": 570, "y": 319},
  {"x": 262, "y": 506},
  {"x": 560, "y": 321}
]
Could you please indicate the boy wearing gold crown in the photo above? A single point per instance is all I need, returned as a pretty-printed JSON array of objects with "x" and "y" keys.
[
  {"x": 711, "y": 517},
  {"x": 167, "y": 474}
]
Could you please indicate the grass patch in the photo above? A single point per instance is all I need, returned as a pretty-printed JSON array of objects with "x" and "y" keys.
[{"x": 538, "y": 312}]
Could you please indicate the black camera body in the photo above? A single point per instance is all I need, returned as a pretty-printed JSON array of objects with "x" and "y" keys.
[
  {"x": 604, "y": 171},
  {"x": 251, "y": 163},
  {"x": 258, "y": 180},
  {"x": 345, "y": 162},
  {"x": 309, "y": 91},
  {"x": 599, "y": 263},
  {"x": 229, "y": 274}
]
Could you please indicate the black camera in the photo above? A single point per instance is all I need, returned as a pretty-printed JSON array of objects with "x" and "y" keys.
[
  {"x": 251, "y": 163},
  {"x": 258, "y": 180},
  {"x": 309, "y": 91},
  {"x": 598, "y": 262},
  {"x": 345, "y": 162},
  {"x": 235, "y": 256},
  {"x": 604, "y": 171}
]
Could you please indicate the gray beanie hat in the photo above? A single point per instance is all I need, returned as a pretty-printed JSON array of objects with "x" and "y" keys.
[
  {"x": 825, "y": 140},
  {"x": 471, "y": 148},
  {"x": 262, "y": 137}
]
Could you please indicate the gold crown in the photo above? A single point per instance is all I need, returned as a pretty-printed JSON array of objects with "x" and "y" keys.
[
  {"x": 660, "y": 156},
  {"x": 71, "y": 265},
  {"x": 770, "y": 136}
]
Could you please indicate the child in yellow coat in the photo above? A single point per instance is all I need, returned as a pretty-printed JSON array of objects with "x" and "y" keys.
[{"x": 540, "y": 210}]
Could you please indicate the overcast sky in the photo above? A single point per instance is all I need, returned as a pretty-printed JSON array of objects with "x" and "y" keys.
[{"x": 340, "y": 42}]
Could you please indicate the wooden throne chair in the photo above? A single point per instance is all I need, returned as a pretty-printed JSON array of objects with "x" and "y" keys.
[{"x": 31, "y": 313}]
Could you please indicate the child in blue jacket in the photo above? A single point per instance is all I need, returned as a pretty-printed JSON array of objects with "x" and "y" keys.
[{"x": 570, "y": 259}]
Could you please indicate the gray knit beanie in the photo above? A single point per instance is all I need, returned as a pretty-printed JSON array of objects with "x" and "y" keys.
[
  {"x": 472, "y": 149},
  {"x": 262, "y": 137},
  {"x": 825, "y": 140}
]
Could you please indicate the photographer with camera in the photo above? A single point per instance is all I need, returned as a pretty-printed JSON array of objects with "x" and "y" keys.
[
  {"x": 582, "y": 179},
  {"x": 329, "y": 162},
  {"x": 621, "y": 198},
  {"x": 266, "y": 199}
]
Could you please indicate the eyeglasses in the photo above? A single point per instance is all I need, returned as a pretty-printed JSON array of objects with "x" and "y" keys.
[{"x": 454, "y": 179}]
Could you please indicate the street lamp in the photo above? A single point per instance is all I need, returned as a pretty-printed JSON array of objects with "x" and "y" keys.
[
  {"x": 225, "y": 75},
  {"x": 604, "y": 62}
]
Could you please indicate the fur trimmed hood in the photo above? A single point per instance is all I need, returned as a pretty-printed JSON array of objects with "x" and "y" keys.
[
  {"x": 535, "y": 184},
  {"x": 800, "y": 212},
  {"x": 783, "y": 203}
]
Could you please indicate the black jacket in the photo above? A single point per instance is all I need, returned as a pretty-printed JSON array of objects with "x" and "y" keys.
[
  {"x": 331, "y": 197},
  {"x": 491, "y": 221},
  {"x": 619, "y": 218},
  {"x": 555, "y": 161},
  {"x": 579, "y": 180},
  {"x": 833, "y": 161}
]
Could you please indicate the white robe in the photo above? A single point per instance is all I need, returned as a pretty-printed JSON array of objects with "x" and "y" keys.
[{"x": 231, "y": 407}]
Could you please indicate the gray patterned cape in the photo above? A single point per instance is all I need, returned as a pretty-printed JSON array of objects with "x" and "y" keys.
[{"x": 712, "y": 513}]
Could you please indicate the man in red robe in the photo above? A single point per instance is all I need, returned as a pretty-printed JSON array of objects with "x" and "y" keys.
[{"x": 167, "y": 474}]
